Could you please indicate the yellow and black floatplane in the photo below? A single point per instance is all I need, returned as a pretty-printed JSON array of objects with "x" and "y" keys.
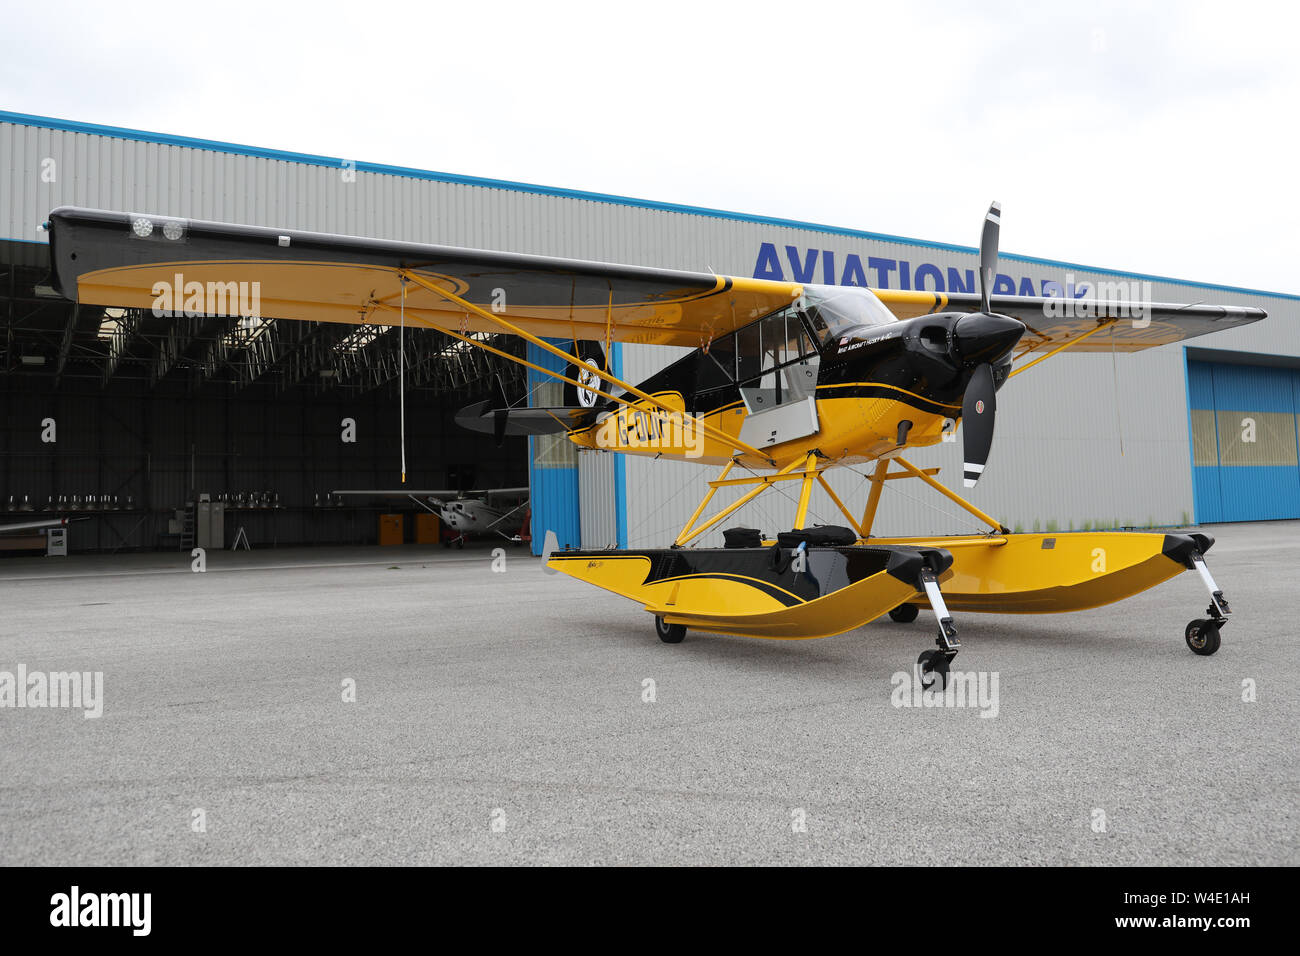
[{"x": 784, "y": 383}]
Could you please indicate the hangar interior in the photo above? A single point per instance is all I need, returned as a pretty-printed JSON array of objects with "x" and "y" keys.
[
  {"x": 152, "y": 413},
  {"x": 123, "y": 420}
]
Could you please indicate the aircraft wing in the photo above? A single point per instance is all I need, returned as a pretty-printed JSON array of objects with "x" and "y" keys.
[
  {"x": 130, "y": 260},
  {"x": 506, "y": 492},
  {"x": 400, "y": 493},
  {"x": 445, "y": 493},
  {"x": 1052, "y": 321},
  {"x": 34, "y": 525}
]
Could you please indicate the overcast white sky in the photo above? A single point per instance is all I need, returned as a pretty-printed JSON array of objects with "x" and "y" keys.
[{"x": 1152, "y": 137}]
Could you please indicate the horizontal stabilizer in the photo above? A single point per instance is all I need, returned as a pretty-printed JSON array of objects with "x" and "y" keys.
[{"x": 483, "y": 417}]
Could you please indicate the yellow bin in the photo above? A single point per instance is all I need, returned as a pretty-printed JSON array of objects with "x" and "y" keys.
[
  {"x": 428, "y": 528},
  {"x": 390, "y": 529}
]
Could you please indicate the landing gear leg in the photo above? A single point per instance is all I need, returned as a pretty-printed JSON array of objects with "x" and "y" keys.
[
  {"x": 1202, "y": 635},
  {"x": 936, "y": 662}
]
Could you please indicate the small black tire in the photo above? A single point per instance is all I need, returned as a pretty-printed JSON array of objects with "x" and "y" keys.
[
  {"x": 460, "y": 543},
  {"x": 933, "y": 664},
  {"x": 1203, "y": 636},
  {"x": 905, "y": 613},
  {"x": 669, "y": 633}
]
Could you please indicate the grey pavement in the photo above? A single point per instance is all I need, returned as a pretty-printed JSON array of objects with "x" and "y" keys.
[{"x": 499, "y": 719}]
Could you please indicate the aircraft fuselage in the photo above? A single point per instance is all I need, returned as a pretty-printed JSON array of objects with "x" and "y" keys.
[{"x": 795, "y": 382}]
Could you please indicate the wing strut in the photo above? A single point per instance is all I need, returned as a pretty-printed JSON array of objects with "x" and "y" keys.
[
  {"x": 719, "y": 435},
  {"x": 1104, "y": 323}
]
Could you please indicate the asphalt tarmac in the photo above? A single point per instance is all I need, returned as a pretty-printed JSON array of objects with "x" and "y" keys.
[{"x": 505, "y": 717}]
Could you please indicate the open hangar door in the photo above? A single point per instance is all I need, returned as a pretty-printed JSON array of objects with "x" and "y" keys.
[
  {"x": 1244, "y": 440},
  {"x": 131, "y": 422}
]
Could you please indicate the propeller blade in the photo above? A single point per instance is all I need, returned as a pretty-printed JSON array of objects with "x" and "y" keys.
[
  {"x": 989, "y": 253},
  {"x": 978, "y": 409}
]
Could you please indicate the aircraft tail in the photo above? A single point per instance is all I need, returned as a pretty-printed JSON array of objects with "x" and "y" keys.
[
  {"x": 579, "y": 410},
  {"x": 500, "y": 420},
  {"x": 591, "y": 354}
]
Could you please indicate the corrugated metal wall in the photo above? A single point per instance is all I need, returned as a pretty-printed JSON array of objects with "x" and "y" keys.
[
  {"x": 1080, "y": 439},
  {"x": 598, "y": 499}
]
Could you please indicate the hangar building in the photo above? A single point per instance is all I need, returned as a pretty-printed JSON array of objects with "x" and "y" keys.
[{"x": 147, "y": 415}]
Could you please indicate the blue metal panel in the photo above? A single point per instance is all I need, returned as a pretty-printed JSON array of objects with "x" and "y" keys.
[
  {"x": 554, "y": 493},
  {"x": 1207, "y": 494},
  {"x": 1252, "y": 388},
  {"x": 1244, "y": 492},
  {"x": 554, "y": 490},
  {"x": 1200, "y": 385},
  {"x": 1259, "y": 493}
]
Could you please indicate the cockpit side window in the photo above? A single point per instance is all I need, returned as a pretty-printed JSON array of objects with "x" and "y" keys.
[{"x": 770, "y": 354}]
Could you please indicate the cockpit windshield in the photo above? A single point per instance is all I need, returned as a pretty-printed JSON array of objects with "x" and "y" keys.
[{"x": 832, "y": 310}]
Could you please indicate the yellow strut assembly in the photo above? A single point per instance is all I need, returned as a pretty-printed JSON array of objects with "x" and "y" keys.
[
  {"x": 1063, "y": 346},
  {"x": 951, "y": 495},
  {"x": 670, "y": 417},
  {"x": 873, "y": 497},
  {"x": 805, "y": 492},
  {"x": 729, "y": 440},
  {"x": 810, "y": 473},
  {"x": 826, "y": 486},
  {"x": 760, "y": 482}
]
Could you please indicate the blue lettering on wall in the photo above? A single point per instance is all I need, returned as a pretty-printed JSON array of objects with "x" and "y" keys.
[
  {"x": 882, "y": 268},
  {"x": 801, "y": 272},
  {"x": 768, "y": 266},
  {"x": 927, "y": 271},
  {"x": 895, "y": 274}
]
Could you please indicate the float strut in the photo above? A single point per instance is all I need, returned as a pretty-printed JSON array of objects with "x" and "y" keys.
[{"x": 1218, "y": 609}]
